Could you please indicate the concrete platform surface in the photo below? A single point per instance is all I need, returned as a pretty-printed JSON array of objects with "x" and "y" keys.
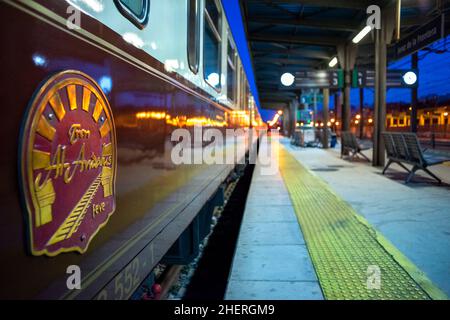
[{"x": 271, "y": 259}]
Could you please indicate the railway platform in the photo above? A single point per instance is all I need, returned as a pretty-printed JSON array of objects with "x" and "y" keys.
[
  {"x": 271, "y": 260},
  {"x": 328, "y": 228}
]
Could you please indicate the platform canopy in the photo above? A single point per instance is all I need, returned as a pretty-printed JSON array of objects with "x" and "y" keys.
[{"x": 291, "y": 35}]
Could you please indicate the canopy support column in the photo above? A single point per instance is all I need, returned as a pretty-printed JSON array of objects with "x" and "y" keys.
[
  {"x": 380, "y": 99},
  {"x": 383, "y": 37},
  {"x": 414, "y": 65},
  {"x": 326, "y": 107},
  {"x": 361, "y": 113},
  {"x": 347, "y": 57}
]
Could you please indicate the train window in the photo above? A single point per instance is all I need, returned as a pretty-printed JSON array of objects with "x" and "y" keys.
[
  {"x": 193, "y": 34},
  {"x": 213, "y": 13},
  {"x": 137, "y": 11},
  {"x": 242, "y": 89},
  {"x": 246, "y": 96},
  {"x": 211, "y": 45},
  {"x": 231, "y": 71}
]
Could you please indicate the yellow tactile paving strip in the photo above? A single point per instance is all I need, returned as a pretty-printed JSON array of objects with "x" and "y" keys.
[{"x": 342, "y": 245}]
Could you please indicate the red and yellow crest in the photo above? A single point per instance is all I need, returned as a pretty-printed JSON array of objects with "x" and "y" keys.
[{"x": 68, "y": 164}]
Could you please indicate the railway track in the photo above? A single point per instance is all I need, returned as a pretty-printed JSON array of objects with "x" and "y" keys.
[{"x": 176, "y": 281}]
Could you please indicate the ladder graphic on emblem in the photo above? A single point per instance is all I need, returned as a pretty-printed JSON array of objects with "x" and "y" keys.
[{"x": 73, "y": 221}]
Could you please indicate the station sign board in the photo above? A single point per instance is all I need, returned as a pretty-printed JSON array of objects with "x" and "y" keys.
[
  {"x": 424, "y": 36},
  {"x": 310, "y": 100},
  {"x": 304, "y": 116},
  {"x": 394, "y": 78},
  {"x": 319, "y": 79}
]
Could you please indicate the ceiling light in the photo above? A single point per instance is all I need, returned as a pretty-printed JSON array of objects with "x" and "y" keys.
[
  {"x": 333, "y": 62},
  {"x": 362, "y": 34},
  {"x": 410, "y": 78},
  {"x": 287, "y": 79}
]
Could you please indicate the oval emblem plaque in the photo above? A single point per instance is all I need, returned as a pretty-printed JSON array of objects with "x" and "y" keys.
[{"x": 68, "y": 164}]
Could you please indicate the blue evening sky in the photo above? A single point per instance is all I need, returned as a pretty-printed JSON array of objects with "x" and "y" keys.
[{"x": 434, "y": 69}]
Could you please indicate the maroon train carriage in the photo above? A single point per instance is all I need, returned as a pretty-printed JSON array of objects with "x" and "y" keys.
[{"x": 88, "y": 111}]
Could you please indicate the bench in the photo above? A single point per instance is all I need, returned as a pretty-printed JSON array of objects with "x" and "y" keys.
[
  {"x": 351, "y": 145},
  {"x": 405, "y": 148}
]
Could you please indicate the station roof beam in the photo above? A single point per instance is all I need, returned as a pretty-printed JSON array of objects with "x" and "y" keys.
[{"x": 299, "y": 35}]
